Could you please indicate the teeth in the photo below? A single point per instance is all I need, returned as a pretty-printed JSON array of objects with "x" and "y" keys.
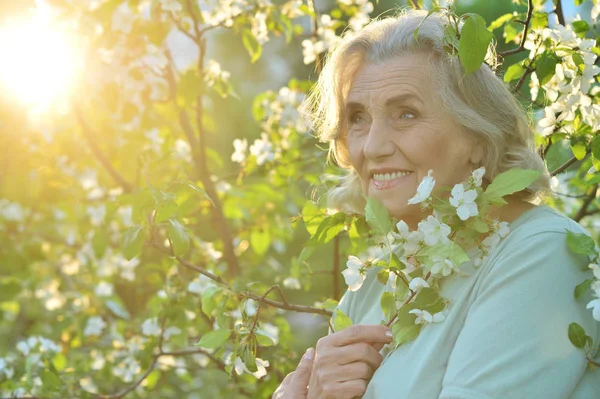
[{"x": 389, "y": 176}]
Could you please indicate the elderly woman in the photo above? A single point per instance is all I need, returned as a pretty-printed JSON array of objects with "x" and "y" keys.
[{"x": 394, "y": 107}]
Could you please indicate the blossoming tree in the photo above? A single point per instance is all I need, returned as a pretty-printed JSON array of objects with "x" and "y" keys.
[{"x": 133, "y": 267}]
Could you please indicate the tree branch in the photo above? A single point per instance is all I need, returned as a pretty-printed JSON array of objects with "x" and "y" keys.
[
  {"x": 586, "y": 203},
  {"x": 559, "y": 12},
  {"x": 89, "y": 136},
  {"x": 525, "y": 29},
  {"x": 285, "y": 305},
  {"x": 315, "y": 21}
]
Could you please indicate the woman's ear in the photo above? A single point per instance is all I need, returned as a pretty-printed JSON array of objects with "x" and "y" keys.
[{"x": 477, "y": 154}]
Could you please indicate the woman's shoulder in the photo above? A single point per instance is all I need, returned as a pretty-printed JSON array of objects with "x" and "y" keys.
[{"x": 542, "y": 220}]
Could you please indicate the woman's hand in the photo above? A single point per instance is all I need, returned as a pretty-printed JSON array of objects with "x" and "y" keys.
[
  {"x": 345, "y": 361},
  {"x": 342, "y": 368},
  {"x": 295, "y": 384}
]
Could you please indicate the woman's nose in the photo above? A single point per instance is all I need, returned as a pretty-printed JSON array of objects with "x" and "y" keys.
[{"x": 378, "y": 144}]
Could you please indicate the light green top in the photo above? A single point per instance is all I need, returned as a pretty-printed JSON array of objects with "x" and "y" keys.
[{"x": 505, "y": 333}]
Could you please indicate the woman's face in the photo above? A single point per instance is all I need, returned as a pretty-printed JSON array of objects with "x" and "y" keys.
[{"x": 397, "y": 130}]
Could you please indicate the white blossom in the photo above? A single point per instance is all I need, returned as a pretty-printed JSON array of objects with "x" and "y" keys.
[
  {"x": 595, "y": 269},
  {"x": 442, "y": 267},
  {"x": 292, "y": 283},
  {"x": 417, "y": 283},
  {"x": 477, "y": 176},
  {"x": 150, "y": 327},
  {"x": 127, "y": 369},
  {"x": 434, "y": 231},
  {"x": 170, "y": 331},
  {"x": 171, "y": 5},
  {"x": 5, "y": 369},
  {"x": 98, "y": 360},
  {"x": 261, "y": 365},
  {"x": 95, "y": 325},
  {"x": 595, "y": 306},
  {"x": 122, "y": 19},
  {"x": 353, "y": 275},
  {"x": 11, "y": 211},
  {"x": 240, "y": 146},
  {"x": 200, "y": 284},
  {"x": 262, "y": 149},
  {"x": 104, "y": 289},
  {"x": 251, "y": 307},
  {"x": 464, "y": 202},
  {"x": 88, "y": 385},
  {"x": 424, "y": 190},
  {"x": 424, "y": 317},
  {"x": 499, "y": 231}
]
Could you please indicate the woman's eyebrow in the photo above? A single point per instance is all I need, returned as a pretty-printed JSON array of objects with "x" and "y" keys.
[{"x": 398, "y": 99}]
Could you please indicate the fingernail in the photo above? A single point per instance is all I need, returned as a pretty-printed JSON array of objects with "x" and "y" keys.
[
  {"x": 388, "y": 333},
  {"x": 310, "y": 353}
]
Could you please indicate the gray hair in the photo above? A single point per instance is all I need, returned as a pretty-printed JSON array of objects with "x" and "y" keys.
[{"x": 480, "y": 102}]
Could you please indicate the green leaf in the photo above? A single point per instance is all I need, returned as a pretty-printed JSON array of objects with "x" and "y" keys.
[
  {"x": 165, "y": 210},
  {"x": 480, "y": 226},
  {"x": 100, "y": 242},
  {"x": 209, "y": 299},
  {"x": 383, "y": 275},
  {"x": 263, "y": 338},
  {"x": 214, "y": 339},
  {"x": 583, "y": 288},
  {"x": 579, "y": 2},
  {"x": 577, "y": 335},
  {"x": 179, "y": 237},
  {"x": 578, "y": 59},
  {"x": 498, "y": 22},
  {"x": 312, "y": 217},
  {"x": 252, "y": 45},
  {"x": 132, "y": 242},
  {"x": 581, "y": 28},
  {"x": 388, "y": 305},
  {"x": 509, "y": 182},
  {"x": 378, "y": 217},
  {"x": 513, "y": 72},
  {"x": 401, "y": 290},
  {"x": 596, "y": 152},
  {"x": 50, "y": 380},
  {"x": 474, "y": 42},
  {"x": 579, "y": 147},
  {"x": 546, "y": 66},
  {"x": 581, "y": 243},
  {"x": 403, "y": 334},
  {"x": 306, "y": 253},
  {"x": 341, "y": 320},
  {"x": 260, "y": 241},
  {"x": 329, "y": 227},
  {"x": 9, "y": 289},
  {"x": 430, "y": 300},
  {"x": 59, "y": 361}
]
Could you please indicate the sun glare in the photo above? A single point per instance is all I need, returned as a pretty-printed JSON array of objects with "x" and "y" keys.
[{"x": 39, "y": 63}]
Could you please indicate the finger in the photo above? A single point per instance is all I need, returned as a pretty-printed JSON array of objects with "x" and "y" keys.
[
  {"x": 299, "y": 383},
  {"x": 361, "y": 333},
  {"x": 361, "y": 352},
  {"x": 346, "y": 389},
  {"x": 353, "y": 371}
]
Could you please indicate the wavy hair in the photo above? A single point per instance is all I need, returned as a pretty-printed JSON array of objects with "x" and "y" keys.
[{"x": 480, "y": 102}]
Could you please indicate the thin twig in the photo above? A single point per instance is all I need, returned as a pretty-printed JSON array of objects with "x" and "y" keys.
[
  {"x": 90, "y": 135},
  {"x": 415, "y": 4},
  {"x": 564, "y": 166},
  {"x": 524, "y": 38},
  {"x": 336, "y": 268}
]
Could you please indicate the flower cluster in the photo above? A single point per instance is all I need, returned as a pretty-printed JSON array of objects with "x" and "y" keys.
[{"x": 570, "y": 87}]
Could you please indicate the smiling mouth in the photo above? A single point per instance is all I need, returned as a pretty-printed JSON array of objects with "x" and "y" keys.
[{"x": 383, "y": 181}]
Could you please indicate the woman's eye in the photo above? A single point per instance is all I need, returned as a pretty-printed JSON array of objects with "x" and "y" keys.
[
  {"x": 355, "y": 117},
  {"x": 404, "y": 115}
]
